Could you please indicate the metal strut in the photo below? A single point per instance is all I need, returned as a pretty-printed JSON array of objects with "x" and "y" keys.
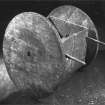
[{"x": 75, "y": 59}]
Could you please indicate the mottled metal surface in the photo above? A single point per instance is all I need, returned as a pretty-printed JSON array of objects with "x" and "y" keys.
[
  {"x": 73, "y": 25},
  {"x": 32, "y": 53}
]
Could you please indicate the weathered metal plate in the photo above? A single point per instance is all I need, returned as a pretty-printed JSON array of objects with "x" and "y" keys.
[{"x": 32, "y": 53}]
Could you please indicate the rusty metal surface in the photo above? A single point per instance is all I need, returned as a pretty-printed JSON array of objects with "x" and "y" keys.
[{"x": 32, "y": 53}]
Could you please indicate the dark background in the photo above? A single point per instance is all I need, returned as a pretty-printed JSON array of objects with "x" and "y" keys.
[{"x": 95, "y": 10}]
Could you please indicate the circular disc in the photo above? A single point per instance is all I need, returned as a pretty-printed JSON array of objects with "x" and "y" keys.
[
  {"x": 32, "y": 53},
  {"x": 75, "y": 27}
]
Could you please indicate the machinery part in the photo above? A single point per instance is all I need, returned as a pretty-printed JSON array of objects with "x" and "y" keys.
[
  {"x": 77, "y": 34},
  {"x": 32, "y": 54}
]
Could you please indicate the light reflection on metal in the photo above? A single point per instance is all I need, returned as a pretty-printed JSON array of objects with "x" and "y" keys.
[{"x": 75, "y": 59}]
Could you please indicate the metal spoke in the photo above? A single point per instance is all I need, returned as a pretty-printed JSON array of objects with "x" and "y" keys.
[
  {"x": 75, "y": 59},
  {"x": 97, "y": 41},
  {"x": 67, "y": 21}
]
